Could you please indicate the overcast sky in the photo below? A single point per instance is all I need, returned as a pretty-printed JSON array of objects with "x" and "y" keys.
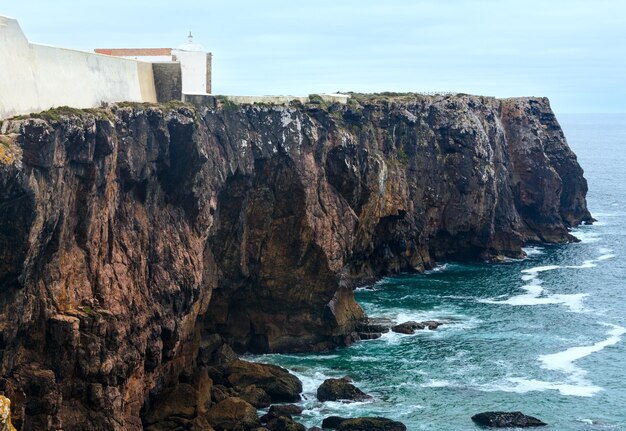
[{"x": 573, "y": 51}]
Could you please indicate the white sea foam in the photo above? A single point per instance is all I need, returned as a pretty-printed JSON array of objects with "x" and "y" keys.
[
  {"x": 436, "y": 269},
  {"x": 529, "y": 385},
  {"x": 533, "y": 250},
  {"x": 433, "y": 383},
  {"x": 586, "y": 236},
  {"x": 537, "y": 269},
  {"x": 606, "y": 256},
  {"x": 536, "y": 294},
  {"x": 576, "y": 384},
  {"x": 564, "y": 361}
]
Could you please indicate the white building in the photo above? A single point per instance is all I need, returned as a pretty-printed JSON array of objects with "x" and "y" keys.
[{"x": 195, "y": 62}]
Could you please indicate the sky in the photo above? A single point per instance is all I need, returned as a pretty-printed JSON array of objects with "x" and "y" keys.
[{"x": 572, "y": 51}]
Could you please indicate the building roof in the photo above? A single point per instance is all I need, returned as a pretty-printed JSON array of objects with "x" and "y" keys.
[{"x": 135, "y": 52}]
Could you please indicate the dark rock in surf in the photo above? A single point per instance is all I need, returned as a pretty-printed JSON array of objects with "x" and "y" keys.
[
  {"x": 332, "y": 422},
  {"x": 340, "y": 389},
  {"x": 507, "y": 420},
  {"x": 411, "y": 326},
  {"x": 285, "y": 409}
]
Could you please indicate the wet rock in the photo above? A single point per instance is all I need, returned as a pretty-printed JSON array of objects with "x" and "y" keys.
[
  {"x": 407, "y": 327},
  {"x": 372, "y": 328},
  {"x": 314, "y": 429},
  {"x": 411, "y": 326},
  {"x": 285, "y": 409},
  {"x": 284, "y": 423},
  {"x": 370, "y": 424},
  {"x": 332, "y": 422},
  {"x": 277, "y": 382},
  {"x": 369, "y": 335},
  {"x": 507, "y": 420},
  {"x": 340, "y": 389},
  {"x": 233, "y": 413}
]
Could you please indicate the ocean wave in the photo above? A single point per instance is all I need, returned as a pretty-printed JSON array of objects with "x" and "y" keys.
[
  {"x": 564, "y": 361},
  {"x": 537, "y": 295},
  {"x": 586, "y": 236},
  {"x": 522, "y": 386},
  {"x": 434, "y": 383},
  {"x": 438, "y": 268}
]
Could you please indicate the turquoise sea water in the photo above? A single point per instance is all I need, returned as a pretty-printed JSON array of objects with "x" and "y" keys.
[{"x": 545, "y": 335}]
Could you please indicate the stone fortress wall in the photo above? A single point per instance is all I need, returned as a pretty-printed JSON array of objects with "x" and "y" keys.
[{"x": 37, "y": 77}]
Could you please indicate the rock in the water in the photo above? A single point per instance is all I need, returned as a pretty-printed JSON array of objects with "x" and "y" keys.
[
  {"x": 370, "y": 424},
  {"x": 372, "y": 328},
  {"x": 332, "y": 421},
  {"x": 407, "y": 327},
  {"x": 506, "y": 420},
  {"x": 285, "y": 409},
  {"x": 411, "y": 326},
  {"x": 431, "y": 324},
  {"x": 231, "y": 413},
  {"x": 284, "y": 423},
  {"x": 276, "y": 381},
  {"x": 340, "y": 389}
]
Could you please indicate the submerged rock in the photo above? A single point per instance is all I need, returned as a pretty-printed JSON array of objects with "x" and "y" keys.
[
  {"x": 506, "y": 420},
  {"x": 340, "y": 389}
]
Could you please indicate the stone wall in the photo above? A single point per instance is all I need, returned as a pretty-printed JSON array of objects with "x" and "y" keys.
[{"x": 168, "y": 81}]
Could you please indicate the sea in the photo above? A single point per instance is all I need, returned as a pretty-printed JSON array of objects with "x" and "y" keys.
[{"x": 545, "y": 335}]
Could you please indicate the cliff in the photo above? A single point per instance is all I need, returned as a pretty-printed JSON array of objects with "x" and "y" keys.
[{"x": 135, "y": 239}]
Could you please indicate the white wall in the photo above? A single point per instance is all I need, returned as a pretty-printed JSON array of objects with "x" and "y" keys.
[
  {"x": 193, "y": 65},
  {"x": 34, "y": 77}
]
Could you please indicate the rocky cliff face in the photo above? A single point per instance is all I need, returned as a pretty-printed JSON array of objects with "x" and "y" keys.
[{"x": 134, "y": 240}]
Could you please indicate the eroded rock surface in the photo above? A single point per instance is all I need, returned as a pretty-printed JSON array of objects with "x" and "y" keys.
[{"x": 135, "y": 240}]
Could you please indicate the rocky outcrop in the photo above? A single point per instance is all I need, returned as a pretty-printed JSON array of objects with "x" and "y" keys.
[
  {"x": 507, "y": 420},
  {"x": 340, "y": 390},
  {"x": 135, "y": 240}
]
